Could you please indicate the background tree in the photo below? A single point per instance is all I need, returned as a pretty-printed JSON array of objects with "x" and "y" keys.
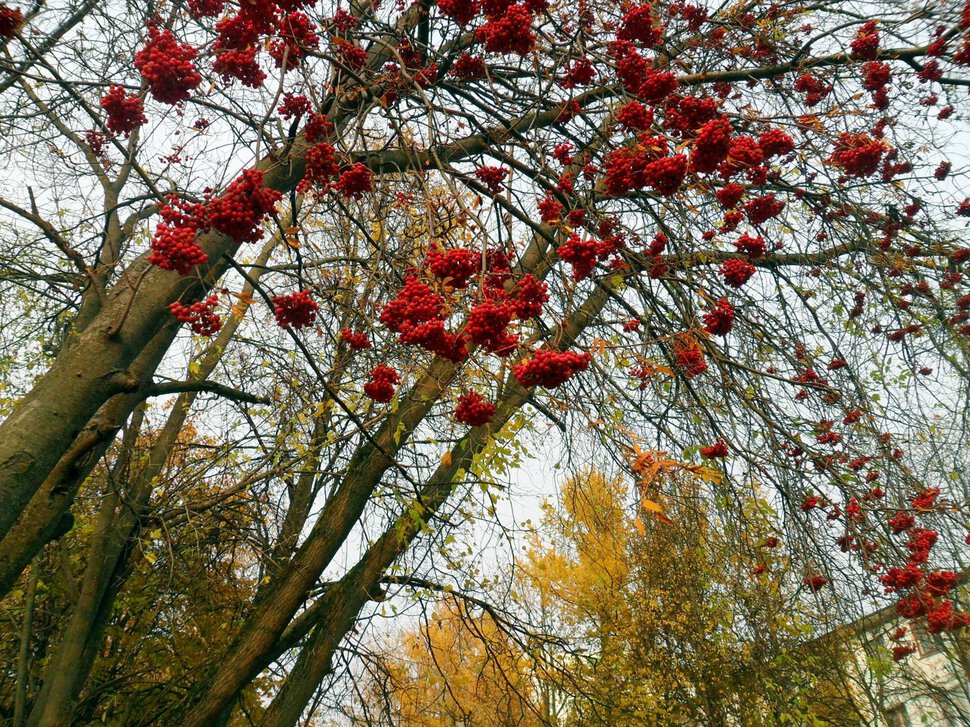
[
  {"x": 725, "y": 231},
  {"x": 689, "y": 616}
]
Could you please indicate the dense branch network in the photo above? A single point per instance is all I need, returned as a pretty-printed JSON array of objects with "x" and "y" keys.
[{"x": 727, "y": 232}]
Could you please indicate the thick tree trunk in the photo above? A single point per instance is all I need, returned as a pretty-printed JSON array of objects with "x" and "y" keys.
[
  {"x": 76, "y": 651},
  {"x": 49, "y": 442},
  {"x": 116, "y": 533},
  {"x": 40, "y": 515},
  {"x": 283, "y": 598},
  {"x": 46, "y": 425}
]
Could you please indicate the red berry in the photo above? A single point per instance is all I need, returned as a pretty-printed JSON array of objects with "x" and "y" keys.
[
  {"x": 381, "y": 386},
  {"x": 474, "y": 410},
  {"x": 125, "y": 113},
  {"x": 549, "y": 369},
  {"x": 720, "y": 319},
  {"x": 295, "y": 310},
  {"x": 737, "y": 272},
  {"x": 167, "y": 66}
]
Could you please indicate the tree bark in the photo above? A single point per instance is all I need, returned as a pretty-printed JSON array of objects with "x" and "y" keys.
[{"x": 116, "y": 534}]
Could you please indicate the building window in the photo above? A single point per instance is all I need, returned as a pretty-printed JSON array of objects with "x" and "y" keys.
[
  {"x": 898, "y": 717},
  {"x": 927, "y": 643}
]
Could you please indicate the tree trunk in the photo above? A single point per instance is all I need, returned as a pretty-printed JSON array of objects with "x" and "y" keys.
[
  {"x": 23, "y": 655},
  {"x": 116, "y": 534}
]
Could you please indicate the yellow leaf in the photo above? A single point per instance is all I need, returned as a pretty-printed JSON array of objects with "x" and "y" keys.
[
  {"x": 446, "y": 459},
  {"x": 641, "y": 528},
  {"x": 651, "y": 506}
]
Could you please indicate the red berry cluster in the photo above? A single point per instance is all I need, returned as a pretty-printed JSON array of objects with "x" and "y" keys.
[
  {"x": 199, "y": 9},
  {"x": 492, "y": 178},
  {"x": 858, "y": 155},
  {"x": 563, "y": 153},
  {"x": 693, "y": 15},
  {"x": 355, "y": 339},
  {"x": 635, "y": 116},
  {"x": 487, "y": 324},
  {"x": 343, "y": 21},
  {"x": 417, "y": 315},
  {"x": 461, "y": 11},
  {"x": 10, "y": 21},
  {"x": 355, "y": 181},
  {"x": 656, "y": 85},
  {"x": 876, "y": 76},
  {"x": 238, "y": 214},
  {"x": 730, "y": 195},
  {"x": 630, "y": 65},
  {"x": 510, "y": 32},
  {"x": 321, "y": 166},
  {"x": 745, "y": 153},
  {"x": 294, "y": 106},
  {"x": 690, "y": 360},
  {"x": 865, "y": 46},
  {"x": 731, "y": 221},
  {"x": 761, "y": 209},
  {"x": 718, "y": 449},
  {"x": 167, "y": 66},
  {"x": 711, "y": 146},
  {"x": 351, "y": 56},
  {"x": 125, "y": 113},
  {"x": 433, "y": 337},
  {"x": 173, "y": 245},
  {"x": 317, "y": 127},
  {"x": 200, "y": 315},
  {"x": 625, "y": 168},
  {"x": 240, "y": 211},
  {"x": 814, "y": 89},
  {"x": 297, "y": 36},
  {"x": 737, "y": 272},
  {"x": 468, "y": 67},
  {"x": 775, "y": 142},
  {"x": 456, "y": 266},
  {"x": 580, "y": 73},
  {"x": 666, "y": 175},
  {"x": 815, "y": 582},
  {"x": 684, "y": 115},
  {"x": 639, "y": 25},
  {"x": 416, "y": 303},
  {"x": 753, "y": 247},
  {"x": 925, "y": 500},
  {"x": 174, "y": 248},
  {"x": 383, "y": 379},
  {"x": 295, "y": 310},
  {"x": 581, "y": 254},
  {"x": 550, "y": 210},
  {"x": 95, "y": 141},
  {"x": 529, "y": 297},
  {"x": 238, "y": 63},
  {"x": 720, "y": 320},
  {"x": 549, "y": 369},
  {"x": 901, "y": 522},
  {"x": 474, "y": 410}
]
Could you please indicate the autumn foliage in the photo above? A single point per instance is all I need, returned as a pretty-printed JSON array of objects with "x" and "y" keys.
[{"x": 372, "y": 251}]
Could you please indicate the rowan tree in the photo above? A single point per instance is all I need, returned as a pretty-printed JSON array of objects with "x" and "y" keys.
[{"x": 368, "y": 242}]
